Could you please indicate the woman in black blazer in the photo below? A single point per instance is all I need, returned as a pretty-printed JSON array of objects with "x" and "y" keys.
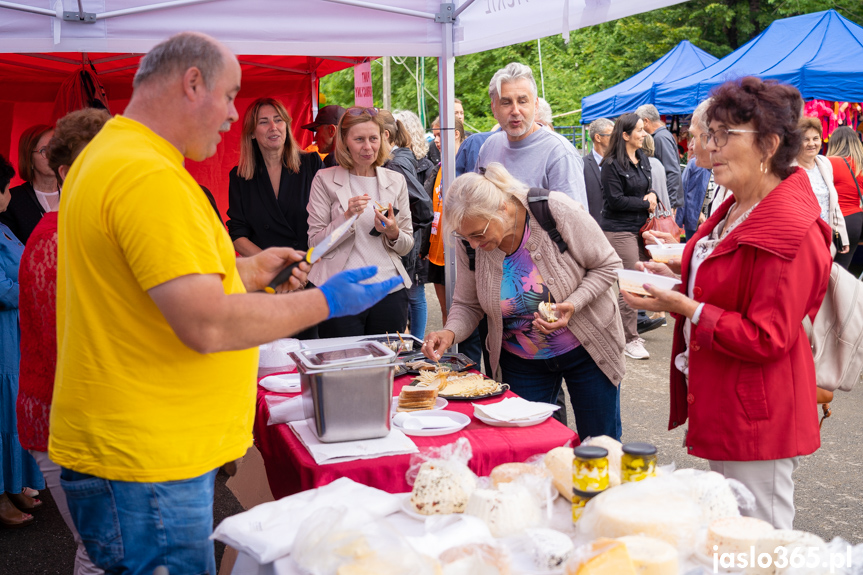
[
  {"x": 627, "y": 198},
  {"x": 268, "y": 192},
  {"x": 39, "y": 193}
]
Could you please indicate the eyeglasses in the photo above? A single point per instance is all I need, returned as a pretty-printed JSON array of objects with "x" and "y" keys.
[
  {"x": 43, "y": 151},
  {"x": 720, "y": 136},
  {"x": 608, "y": 135},
  {"x": 361, "y": 111},
  {"x": 458, "y": 236}
]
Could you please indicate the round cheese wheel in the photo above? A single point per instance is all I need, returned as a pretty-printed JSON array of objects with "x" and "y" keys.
[
  {"x": 735, "y": 534},
  {"x": 651, "y": 556}
]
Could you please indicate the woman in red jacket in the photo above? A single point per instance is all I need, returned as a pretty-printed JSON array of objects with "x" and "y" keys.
[{"x": 742, "y": 368}]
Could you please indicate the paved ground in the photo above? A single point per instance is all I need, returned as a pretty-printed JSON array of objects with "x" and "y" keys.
[{"x": 829, "y": 494}]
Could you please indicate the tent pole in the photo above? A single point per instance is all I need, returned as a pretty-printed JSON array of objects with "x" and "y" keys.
[
  {"x": 31, "y": 9},
  {"x": 313, "y": 76},
  {"x": 393, "y": 9},
  {"x": 446, "y": 92},
  {"x": 149, "y": 8}
]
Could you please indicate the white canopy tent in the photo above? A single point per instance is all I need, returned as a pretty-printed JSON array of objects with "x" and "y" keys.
[{"x": 321, "y": 28}]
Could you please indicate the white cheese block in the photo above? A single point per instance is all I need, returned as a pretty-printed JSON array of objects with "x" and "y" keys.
[
  {"x": 651, "y": 556},
  {"x": 559, "y": 462},
  {"x": 550, "y": 549},
  {"x": 643, "y": 509},
  {"x": 711, "y": 491},
  {"x": 790, "y": 539},
  {"x": 442, "y": 487},
  {"x": 508, "y": 510},
  {"x": 735, "y": 534}
]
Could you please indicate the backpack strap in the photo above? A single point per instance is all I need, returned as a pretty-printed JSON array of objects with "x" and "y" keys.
[
  {"x": 471, "y": 255},
  {"x": 537, "y": 201}
]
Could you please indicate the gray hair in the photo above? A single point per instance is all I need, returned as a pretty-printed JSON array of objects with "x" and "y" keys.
[
  {"x": 543, "y": 112},
  {"x": 179, "y": 53},
  {"x": 700, "y": 113},
  {"x": 513, "y": 71},
  {"x": 599, "y": 126},
  {"x": 478, "y": 196},
  {"x": 419, "y": 144},
  {"x": 648, "y": 112}
]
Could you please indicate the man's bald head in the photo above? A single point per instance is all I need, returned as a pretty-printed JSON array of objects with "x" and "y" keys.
[{"x": 179, "y": 53}]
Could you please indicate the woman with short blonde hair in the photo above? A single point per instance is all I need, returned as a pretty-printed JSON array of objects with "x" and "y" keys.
[
  {"x": 518, "y": 271},
  {"x": 382, "y": 233}
]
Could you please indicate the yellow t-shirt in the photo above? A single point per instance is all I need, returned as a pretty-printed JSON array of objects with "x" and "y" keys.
[{"x": 131, "y": 401}]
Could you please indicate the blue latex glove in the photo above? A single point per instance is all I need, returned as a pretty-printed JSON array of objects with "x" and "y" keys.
[{"x": 347, "y": 296}]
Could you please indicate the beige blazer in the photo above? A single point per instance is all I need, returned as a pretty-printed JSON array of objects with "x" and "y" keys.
[
  {"x": 584, "y": 275},
  {"x": 328, "y": 202}
]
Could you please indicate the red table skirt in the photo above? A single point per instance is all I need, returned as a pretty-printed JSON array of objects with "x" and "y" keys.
[{"x": 291, "y": 468}]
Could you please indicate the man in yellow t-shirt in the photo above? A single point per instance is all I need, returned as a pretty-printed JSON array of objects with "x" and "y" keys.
[{"x": 156, "y": 332}]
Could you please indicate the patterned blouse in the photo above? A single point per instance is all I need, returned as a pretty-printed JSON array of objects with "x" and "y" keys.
[{"x": 521, "y": 291}]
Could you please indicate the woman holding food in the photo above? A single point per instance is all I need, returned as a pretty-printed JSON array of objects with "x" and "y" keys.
[
  {"x": 518, "y": 268},
  {"x": 742, "y": 369},
  {"x": 361, "y": 186}
]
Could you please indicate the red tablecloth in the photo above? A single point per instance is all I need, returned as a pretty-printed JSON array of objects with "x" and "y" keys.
[{"x": 291, "y": 468}]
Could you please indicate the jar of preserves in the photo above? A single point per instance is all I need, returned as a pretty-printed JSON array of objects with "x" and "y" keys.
[
  {"x": 638, "y": 462},
  {"x": 578, "y": 504},
  {"x": 589, "y": 470}
]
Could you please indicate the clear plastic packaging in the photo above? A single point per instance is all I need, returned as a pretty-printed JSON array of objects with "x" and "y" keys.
[
  {"x": 330, "y": 544},
  {"x": 475, "y": 558},
  {"x": 718, "y": 496},
  {"x": 442, "y": 482},
  {"x": 459, "y": 452}
]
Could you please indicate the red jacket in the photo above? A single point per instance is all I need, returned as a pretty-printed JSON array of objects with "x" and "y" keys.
[{"x": 751, "y": 392}]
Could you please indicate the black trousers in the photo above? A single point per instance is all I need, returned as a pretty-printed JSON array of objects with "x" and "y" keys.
[
  {"x": 854, "y": 225},
  {"x": 387, "y": 316}
]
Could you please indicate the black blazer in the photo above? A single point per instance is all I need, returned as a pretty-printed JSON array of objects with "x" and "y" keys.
[
  {"x": 623, "y": 187},
  {"x": 255, "y": 213},
  {"x": 24, "y": 211},
  {"x": 593, "y": 184}
]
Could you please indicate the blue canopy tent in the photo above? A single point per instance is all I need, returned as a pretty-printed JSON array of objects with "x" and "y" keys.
[
  {"x": 821, "y": 54},
  {"x": 682, "y": 60}
]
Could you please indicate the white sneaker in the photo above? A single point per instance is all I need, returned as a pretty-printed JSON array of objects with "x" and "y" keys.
[{"x": 635, "y": 349}]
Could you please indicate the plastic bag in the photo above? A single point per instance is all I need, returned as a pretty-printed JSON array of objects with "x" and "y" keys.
[
  {"x": 586, "y": 553},
  {"x": 442, "y": 482},
  {"x": 507, "y": 510},
  {"x": 532, "y": 474},
  {"x": 458, "y": 452},
  {"x": 476, "y": 558},
  {"x": 331, "y": 544},
  {"x": 540, "y": 549},
  {"x": 659, "y": 507}
]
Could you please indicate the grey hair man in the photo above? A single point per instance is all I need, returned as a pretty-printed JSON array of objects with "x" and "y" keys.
[
  {"x": 666, "y": 151},
  {"x": 161, "y": 392},
  {"x": 539, "y": 158},
  {"x": 600, "y": 134}
]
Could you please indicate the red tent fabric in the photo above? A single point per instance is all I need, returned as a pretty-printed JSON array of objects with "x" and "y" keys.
[{"x": 30, "y": 86}]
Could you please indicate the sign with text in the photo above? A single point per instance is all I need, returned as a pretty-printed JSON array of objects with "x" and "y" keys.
[{"x": 363, "y": 85}]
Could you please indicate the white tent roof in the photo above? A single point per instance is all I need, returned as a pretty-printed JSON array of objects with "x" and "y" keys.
[{"x": 302, "y": 27}]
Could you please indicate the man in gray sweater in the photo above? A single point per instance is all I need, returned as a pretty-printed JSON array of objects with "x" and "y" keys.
[
  {"x": 539, "y": 158},
  {"x": 666, "y": 152}
]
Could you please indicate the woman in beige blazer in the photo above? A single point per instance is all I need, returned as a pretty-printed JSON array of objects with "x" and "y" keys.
[
  {"x": 518, "y": 267},
  {"x": 381, "y": 234}
]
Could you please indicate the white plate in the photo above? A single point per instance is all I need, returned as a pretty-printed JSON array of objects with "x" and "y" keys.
[
  {"x": 409, "y": 510},
  {"x": 439, "y": 403},
  {"x": 633, "y": 280},
  {"x": 459, "y": 422},
  {"x": 282, "y": 383},
  {"x": 518, "y": 423}
]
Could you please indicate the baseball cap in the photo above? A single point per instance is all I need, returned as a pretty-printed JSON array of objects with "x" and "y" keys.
[{"x": 326, "y": 115}]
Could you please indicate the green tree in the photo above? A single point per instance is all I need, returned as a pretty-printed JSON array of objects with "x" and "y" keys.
[{"x": 596, "y": 58}]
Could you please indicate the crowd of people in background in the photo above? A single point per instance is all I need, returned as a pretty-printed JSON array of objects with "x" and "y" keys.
[{"x": 529, "y": 220}]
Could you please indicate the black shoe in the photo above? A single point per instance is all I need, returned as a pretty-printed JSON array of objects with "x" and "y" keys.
[{"x": 650, "y": 324}]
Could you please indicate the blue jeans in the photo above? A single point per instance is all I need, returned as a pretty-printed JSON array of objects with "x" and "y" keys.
[
  {"x": 132, "y": 528},
  {"x": 418, "y": 309},
  {"x": 595, "y": 400}
]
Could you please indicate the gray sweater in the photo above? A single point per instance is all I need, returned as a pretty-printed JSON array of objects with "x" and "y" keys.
[
  {"x": 583, "y": 275},
  {"x": 542, "y": 160}
]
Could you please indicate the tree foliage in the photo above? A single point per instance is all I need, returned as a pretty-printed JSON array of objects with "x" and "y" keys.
[{"x": 596, "y": 57}]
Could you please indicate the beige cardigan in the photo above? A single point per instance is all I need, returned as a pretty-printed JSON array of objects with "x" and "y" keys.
[
  {"x": 583, "y": 275},
  {"x": 328, "y": 202}
]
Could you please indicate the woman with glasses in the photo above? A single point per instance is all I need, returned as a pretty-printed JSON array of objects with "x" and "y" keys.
[
  {"x": 743, "y": 373},
  {"x": 518, "y": 266},
  {"x": 382, "y": 233},
  {"x": 628, "y": 200},
  {"x": 39, "y": 193},
  {"x": 845, "y": 153}
]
